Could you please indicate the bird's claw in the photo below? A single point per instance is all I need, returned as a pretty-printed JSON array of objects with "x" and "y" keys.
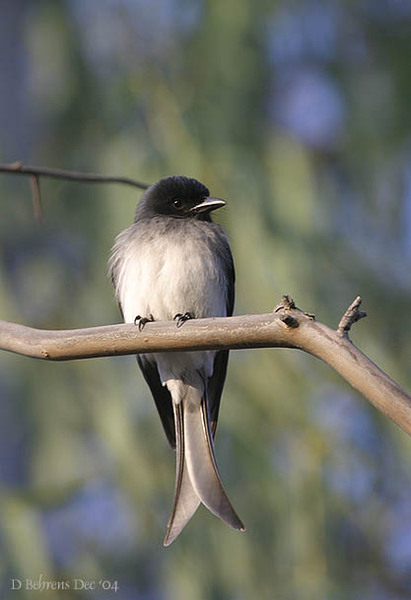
[
  {"x": 141, "y": 321},
  {"x": 182, "y": 318}
]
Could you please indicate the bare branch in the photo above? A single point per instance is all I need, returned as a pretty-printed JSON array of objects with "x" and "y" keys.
[
  {"x": 351, "y": 316},
  {"x": 251, "y": 331},
  {"x": 35, "y": 189},
  {"x": 18, "y": 168}
]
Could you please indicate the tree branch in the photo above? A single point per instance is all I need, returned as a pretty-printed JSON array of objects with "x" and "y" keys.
[
  {"x": 287, "y": 327},
  {"x": 18, "y": 168},
  {"x": 351, "y": 316},
  {"x": 34, "y": 173},
  {"x": 35, "y": 191}
]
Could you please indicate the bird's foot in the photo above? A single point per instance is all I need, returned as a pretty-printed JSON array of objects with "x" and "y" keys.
[
  {"x": 141, "y": 321},
  {"x": 182, "y": 318}
]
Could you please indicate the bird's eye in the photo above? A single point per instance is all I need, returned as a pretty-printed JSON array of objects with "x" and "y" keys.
[{"x": 177, "y": 203}]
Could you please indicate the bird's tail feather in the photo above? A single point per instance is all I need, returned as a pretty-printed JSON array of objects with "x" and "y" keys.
[
  {"x": 197, "y": 476},
  {"x": 186, "y": 500}
]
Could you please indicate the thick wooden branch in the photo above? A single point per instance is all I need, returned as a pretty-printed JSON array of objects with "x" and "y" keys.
[{"x": 287, "y": 327}]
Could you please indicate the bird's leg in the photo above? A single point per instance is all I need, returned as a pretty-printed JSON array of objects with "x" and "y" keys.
[
  {"x": 141, "y": 321},
  {"x": 182, "y": 318}
]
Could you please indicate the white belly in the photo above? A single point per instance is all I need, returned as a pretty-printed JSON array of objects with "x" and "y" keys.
[
  {"x": 165, "y": 274},
  {"x": 171, "y": 275}
]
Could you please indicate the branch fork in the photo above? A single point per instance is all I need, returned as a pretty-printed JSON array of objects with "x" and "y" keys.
[{"x": 351, "y": 316}]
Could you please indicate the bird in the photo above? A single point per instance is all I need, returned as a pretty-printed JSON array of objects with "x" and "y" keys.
[{"x": 175, "y": 263}]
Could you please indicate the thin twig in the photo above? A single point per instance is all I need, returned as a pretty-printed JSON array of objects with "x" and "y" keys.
[
  {"x": 35, "y": 190},
  {"x": 351, "y": 316},
  {"x": 18, "y": 168}
]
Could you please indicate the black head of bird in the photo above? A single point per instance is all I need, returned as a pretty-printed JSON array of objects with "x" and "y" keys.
[{"x": 179, "y": 197}]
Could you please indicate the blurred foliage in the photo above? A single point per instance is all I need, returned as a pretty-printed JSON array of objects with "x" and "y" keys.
[{"x": 299, "y": 115}]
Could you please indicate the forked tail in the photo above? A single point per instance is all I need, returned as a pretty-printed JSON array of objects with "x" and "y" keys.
[{"x": 197, "y": 476}]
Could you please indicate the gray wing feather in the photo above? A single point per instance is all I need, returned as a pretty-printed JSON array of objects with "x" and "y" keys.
[{"x": 162, "y": 397}]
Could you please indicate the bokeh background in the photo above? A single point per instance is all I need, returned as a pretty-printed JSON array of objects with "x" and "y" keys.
[{"x": 299, "y": 114}]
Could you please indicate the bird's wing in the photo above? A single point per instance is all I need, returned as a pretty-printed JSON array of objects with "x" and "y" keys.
[
  {"x": 215, "y": 386},
  {"x": 216, "y": 381},
  {"x": 161, "y": 395},
  {"x": 230, "y": 278}
]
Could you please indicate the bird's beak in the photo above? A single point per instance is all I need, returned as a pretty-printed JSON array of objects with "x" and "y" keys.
[{"x": 207, "y": 205}]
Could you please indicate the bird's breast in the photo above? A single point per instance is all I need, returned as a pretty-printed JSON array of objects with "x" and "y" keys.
[{"x": 168, "y": 272}]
